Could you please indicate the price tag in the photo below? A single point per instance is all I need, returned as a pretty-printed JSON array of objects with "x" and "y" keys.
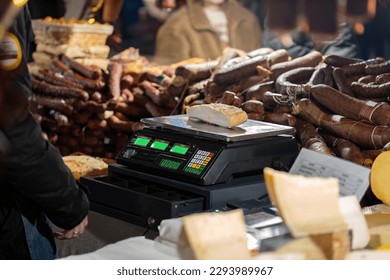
[{"x": 353, "y": 178}]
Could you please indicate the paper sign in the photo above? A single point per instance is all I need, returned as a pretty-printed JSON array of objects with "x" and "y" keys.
[{"x": 353, "y": 178}]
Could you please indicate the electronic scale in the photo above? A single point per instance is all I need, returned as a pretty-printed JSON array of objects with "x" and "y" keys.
[{"x": 176, "y": 166}]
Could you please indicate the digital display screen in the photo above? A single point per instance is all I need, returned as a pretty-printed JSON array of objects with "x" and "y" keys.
[
  {"x": 142, "y": 141},
  {"x": 171, "y": 164},
  {"x": 159, "y": 145},
  {"x": 179, "y": 149}
]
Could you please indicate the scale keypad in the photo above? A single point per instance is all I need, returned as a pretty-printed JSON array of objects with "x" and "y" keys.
[{"x": 199, "y": 162}]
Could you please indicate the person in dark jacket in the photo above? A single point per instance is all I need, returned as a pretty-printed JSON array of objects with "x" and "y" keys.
[{"x": 36, "y": 187}]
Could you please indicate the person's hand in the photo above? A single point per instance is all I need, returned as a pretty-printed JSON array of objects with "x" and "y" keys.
[
  {"x": 169, "y": 4},
  {"x": 74, "y": 232}
]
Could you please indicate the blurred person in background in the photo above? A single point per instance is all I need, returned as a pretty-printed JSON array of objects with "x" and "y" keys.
[
  {"x": 43, "y": 8},
  {"x": 160, "y": 9},
  {"x": 140, "y": 21},
  {"x": 301, "y": 41},
  {"x": 203, "y": 28},
  {"x": 36, "y": 187},
  {"x": 366, "y": 42},
  {"x": 110, "y": 14},
  {"x": 375, "y": 38},
  {"x": 258, "y": 7}
]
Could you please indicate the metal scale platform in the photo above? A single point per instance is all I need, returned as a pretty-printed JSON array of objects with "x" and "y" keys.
[{"x": 177, "y": 166}]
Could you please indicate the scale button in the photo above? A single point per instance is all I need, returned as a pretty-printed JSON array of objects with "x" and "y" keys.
[{"x": 128, "y": 153}]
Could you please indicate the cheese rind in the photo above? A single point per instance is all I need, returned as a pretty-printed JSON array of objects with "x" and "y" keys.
[{"x": 218, "y": 114}]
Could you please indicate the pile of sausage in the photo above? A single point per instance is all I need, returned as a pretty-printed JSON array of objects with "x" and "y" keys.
[
  {"x": 338, "y": 106},
  {"x": 84, "y": 109}
]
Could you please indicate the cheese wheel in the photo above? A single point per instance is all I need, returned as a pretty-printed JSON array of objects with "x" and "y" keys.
[{"x": 380, "y": 177}]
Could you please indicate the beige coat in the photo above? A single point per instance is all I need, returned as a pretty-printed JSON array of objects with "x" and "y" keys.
[{"x": 187, "y": 33}]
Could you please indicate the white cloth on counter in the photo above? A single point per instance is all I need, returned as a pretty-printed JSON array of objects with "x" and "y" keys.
[
  {"x": 169, "y": 245},
  {"x": 133, "y": 248}
]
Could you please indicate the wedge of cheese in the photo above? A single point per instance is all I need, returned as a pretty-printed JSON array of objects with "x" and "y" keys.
[
  {"x": 218, "y": 114},
  {"x": 217, "y": 236},
  {"x": 308, "y": 205}
]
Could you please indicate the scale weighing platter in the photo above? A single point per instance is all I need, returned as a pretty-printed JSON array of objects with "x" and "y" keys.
[{"x": 251, "y": 129}]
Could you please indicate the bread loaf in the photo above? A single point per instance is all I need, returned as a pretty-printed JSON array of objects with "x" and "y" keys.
[
  {"x": 83, "y": 165},
  {"x": 218, "y": 114},
  {"x": 75, "y": 51}
]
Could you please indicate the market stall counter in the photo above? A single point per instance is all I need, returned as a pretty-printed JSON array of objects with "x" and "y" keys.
[
  {"x": 172, "y": 243},
  {"x": 102, "y": 230},
  {"x": 151, "y": 246},
  {"x": 134, "y": 248}
]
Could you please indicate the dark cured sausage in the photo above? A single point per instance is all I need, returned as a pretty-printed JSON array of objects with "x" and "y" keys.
[{"x": 336, "y": 101}]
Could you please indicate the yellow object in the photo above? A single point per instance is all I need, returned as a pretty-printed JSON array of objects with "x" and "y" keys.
[
  {"x": 10, "y": 43},
  {"x": 20, "y": 2},
  {"x": 380, "y": 177},
  {"x": 384, "y": 247},
  {"x": 192, "y": 60},
  {"x": 98, "y": 6}
]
